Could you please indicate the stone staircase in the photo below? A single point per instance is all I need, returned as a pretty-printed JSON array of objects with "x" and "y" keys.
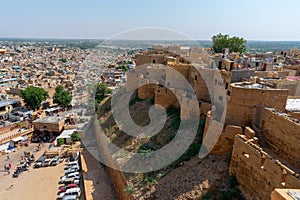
[{"x": 261, "y": 138}]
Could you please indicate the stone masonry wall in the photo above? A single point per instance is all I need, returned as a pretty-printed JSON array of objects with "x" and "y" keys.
[
  {"x": 241, "y": 103},
  {"x": 282, "y": 135},
  {"x": 147, "y": 91},
  {"x": 226, "y": 140},
  {"x": 257, "y": 173},
  {"x": 165, "y": 97},
  {"x": 172, "y": 77},
  {"x": 51, "y": 127},
  {"x": 141, "y": 59},
  {"x": 199, "y": 85},
  {"x": 240, "y": 75},
  {"x": 117, "y": 177}
]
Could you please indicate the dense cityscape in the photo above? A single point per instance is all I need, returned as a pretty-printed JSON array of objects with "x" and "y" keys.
[
  {"x": 149, "y": 100},
  {"x": 47, "y": 106}
]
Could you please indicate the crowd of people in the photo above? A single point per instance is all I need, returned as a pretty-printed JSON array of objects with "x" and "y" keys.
[{"x": 23, "y": 164}]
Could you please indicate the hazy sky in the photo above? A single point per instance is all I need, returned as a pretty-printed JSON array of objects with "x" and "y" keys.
[{"x": 199, "y": 19}]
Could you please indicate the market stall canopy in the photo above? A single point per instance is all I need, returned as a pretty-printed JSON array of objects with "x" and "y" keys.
[
  {"x": 4, "y": 146},
  {"x": 17, "y": 139}
]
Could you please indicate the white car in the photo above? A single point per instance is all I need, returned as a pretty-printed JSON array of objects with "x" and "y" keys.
[
  {"x": 70, "y": 181},
  {"x": 76, "y": 167},
  {"x": 70, "y": 192},
  {"x": 71, "y": 164},
  {"x": 70, "y": 197},
  {"x": 47, "y": 162},
  {"x": 71, "y": 175},
  {"x": 70, "y": 170}
]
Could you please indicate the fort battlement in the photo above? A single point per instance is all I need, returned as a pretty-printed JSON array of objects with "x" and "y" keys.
[{"x": 149, "y": 81}]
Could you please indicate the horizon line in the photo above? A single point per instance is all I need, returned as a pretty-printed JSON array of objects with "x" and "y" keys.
[{"x": 66, "y": 38}]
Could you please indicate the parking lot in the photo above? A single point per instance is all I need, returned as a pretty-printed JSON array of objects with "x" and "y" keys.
[{"x": 40, "y": 183}]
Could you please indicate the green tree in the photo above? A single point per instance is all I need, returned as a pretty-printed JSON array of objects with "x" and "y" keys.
[
  {"x": 75, "y": 136},
  {"x": 60, "y": 141},
  {"x": 33, "y": 97},
  {"x": 100, "y": 91},
  {"x": 235, "y": 44},
  {"x": 61, "y": 96}
]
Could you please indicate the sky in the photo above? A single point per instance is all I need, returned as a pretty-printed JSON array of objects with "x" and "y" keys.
[{"x": 198, "y": 19}]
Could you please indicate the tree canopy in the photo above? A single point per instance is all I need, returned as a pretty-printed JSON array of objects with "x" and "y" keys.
[
  {"x": 61, "y": 96},
  {"x": 100, "y": 91},
  {"x": 33, "y": 97},
  {"x": 75, "y": 136},
  {"x": 235, "y": 44},
  {"x": 60, "y": 141}
]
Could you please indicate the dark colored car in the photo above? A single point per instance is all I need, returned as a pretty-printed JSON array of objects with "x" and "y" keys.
[
  {"x": 72, "y": 159},
  {"x": 16, "y": 174},
  {"x": 39, "y": 162}
]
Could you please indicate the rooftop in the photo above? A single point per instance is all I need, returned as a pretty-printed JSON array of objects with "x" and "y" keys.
[
  {"x": 66, "y": 134},
  {"x": 252, "y": 85},
  {"x": 49, "y": 119},
  {"x": 7, "y": 102}
]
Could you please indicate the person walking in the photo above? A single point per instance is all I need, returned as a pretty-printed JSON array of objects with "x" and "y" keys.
[
  {"x": 8, "y": 158},
  {"x": 5, "y": 168},
  {"x": 9, "y": 165}
]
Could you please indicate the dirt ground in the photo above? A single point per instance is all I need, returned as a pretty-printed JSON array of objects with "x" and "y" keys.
[
  {"x": 191, "y": 180},
  {"x": 41, "y": 183}
]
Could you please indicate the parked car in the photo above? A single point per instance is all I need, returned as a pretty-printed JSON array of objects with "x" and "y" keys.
[
  {"x": 72, "y": 167},
  {"x": 70, "y": 192},
  {"x": 47, "y": 162},
  {"x": 72, "y": 159},
  {"x": 71, "y": 175},
  {"x": 71, "y": 197},
  {"x": 70, "y": 170},
  {"x": 65, "y": 188},
  {"x": 23, "y": 167},
  {"x": 37, "y": 165},
  {"x": 41, "y": 159},
  {"x": 39, "y": 162},
  {"x": 54, "y": 161},
  {"x": 70, "y": 181},
  {"x": 16, "y": 174},
  {"x": 72, "y": 163}
]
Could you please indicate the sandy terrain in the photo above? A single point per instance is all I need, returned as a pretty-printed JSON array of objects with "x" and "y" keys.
[{"x": 39, "y": 183}]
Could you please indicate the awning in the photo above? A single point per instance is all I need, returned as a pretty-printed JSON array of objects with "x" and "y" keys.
[
  {"x": 4, "y": 146},
  {"x": 17, "y": 139},
  {"x": 66, "y": 134}
]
